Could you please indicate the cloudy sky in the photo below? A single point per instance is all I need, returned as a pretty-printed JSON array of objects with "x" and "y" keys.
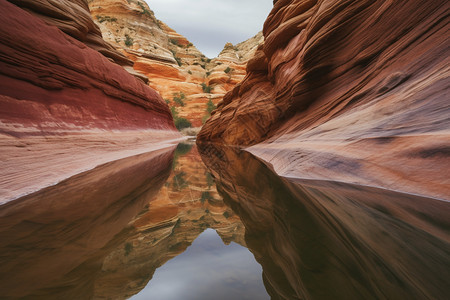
[{"x": 209, "y": 24}]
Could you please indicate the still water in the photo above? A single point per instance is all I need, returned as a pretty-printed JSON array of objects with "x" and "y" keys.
[{"x": 216, "y": 223}]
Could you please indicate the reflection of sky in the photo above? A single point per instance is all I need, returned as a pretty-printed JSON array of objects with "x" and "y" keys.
[{"x": 208, "y": 269}]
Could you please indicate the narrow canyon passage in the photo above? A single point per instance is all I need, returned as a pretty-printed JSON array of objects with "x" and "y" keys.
[
  {"x": 320, "y": 167},
  {"x": 150, "y": 226}
]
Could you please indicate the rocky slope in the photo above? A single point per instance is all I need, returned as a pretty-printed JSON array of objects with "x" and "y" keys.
[
  {"x": 352, "y": 91},
  {"x": 183, "y": 76},
  {"x": 59, "y": 82}
]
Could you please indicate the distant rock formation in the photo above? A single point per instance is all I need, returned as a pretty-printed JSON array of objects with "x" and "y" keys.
[
  {"x": 58, "y": 78},
  {"x": 352, "y": 91},
  {"x": 184, "y": 77}
]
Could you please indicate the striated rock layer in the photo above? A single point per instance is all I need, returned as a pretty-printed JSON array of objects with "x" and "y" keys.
[
  {"x": 352, "y": 91},
  {"x": 173, "y": 65},
  {"x": 52, "y": 84},
  {"x": 327, "y": 240},
  {"x": 53, "y": 242}
]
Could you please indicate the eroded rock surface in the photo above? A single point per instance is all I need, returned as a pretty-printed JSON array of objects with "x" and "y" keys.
[
  {"x": 328, "y": 240},
  {"x": 53, "y": 242},
  {"x": 184, "y": 77},
  {"x": 352, "y": 91},
  {"x": 54, "y": 85}
]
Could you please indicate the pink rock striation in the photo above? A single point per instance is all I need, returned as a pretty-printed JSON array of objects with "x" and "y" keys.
[
  {"x": 52, "y": 83},
  {"x": 351, "y": 91}
]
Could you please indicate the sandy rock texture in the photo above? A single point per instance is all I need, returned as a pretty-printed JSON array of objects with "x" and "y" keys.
[
  {"x": 172, "y": 64},
  {"x": 353, "y": 91},
  {"x": 58, "y": 94}
]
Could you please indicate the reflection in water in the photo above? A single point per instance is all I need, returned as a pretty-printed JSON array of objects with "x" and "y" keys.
[
  {"x": 325, "y": 240},
  {"x": 185, "y": 207},
  {"x": 53, "y": 242},
  {"x": 208, "y": 270},
  {"x": 103, "y": 234}
]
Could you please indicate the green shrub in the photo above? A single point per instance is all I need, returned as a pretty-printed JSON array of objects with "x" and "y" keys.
[
  {"x": 174, "y": 112},
  {"x": 210, "y": 106},
  {"x": 190, "y": 72},
  {"x": 174, "y": 41},
  {"x": 206, "y": 88},
  {"x": 145, "y": 11},
  {"x": 179, "y": 97},
  {"x": 128, "y": 41},
  {"x": 208, "y": 73},
  {"x": 228, "y": 70},
  {"x": 102, "y": 19},
  {"x": 179, "y": 62},
  {"x": 181, "y": 123}
]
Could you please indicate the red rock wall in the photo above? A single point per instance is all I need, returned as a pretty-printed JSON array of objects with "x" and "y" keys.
[
  {"x": 51, "y": 82},
  {"x": 347, "y": 90}
]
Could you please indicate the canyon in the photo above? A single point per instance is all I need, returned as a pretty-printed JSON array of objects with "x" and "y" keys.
[
  {"x": 191, "y": 83},
  {"x": 323, "y": 150},
  {"x": 67, "y": 103},
  {"x": 349, "y": 91}
]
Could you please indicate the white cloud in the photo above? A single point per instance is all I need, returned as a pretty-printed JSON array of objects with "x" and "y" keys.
[{"x": 209, "y": 24}]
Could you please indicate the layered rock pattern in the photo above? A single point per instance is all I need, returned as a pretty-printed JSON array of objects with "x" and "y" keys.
[
  {"x": 117, "y": 224},
  {"x": 172, "y": 64},
  {"x": 347, "y": 90},
  {"x": 187, "y": 205},
  {"x": 328, "y": 240},
  {"x": 52, "y": 84},
  {"x": 53, "y": 242}
]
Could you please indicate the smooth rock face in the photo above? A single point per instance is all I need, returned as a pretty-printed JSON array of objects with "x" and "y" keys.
[
  {"x": 52, "y": 84},
  {"x": 73, "y": 18},
  {"x": 172, "y": 64},
  {"x": 53, "y": 242},
  {"x": 328, "y": 240},
  {"x": 352, "y": 91}
]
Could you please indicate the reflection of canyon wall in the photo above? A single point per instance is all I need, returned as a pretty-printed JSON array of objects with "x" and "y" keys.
[
  {"x": 65, "y": 97},
  {"x": 172, "y": 64},
  {"x": 186, "y": 206},
  {"x": 347, "y": 90},
  {"x": 324, "y": 240},
  {"x": 53, "y": 243}
]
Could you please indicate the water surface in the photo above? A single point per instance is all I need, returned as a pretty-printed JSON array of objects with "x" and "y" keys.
[{"x": 220, "y": 224}]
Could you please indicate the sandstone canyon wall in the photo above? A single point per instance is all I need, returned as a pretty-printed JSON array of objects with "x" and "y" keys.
[
  {"x": 318, "y": 239},
  {"x": 184, "y": 77},
  {"x": 353, "y": 91},
  {"x": 63, "y": 97}
]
